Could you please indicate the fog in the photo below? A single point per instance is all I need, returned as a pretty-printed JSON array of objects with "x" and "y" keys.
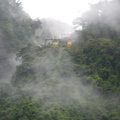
[
  {"x": 57, "y": 81},
  {"x": 53, "y": 77}
]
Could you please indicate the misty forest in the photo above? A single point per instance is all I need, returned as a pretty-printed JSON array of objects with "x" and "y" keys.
[{"x": 49, "y": 81}]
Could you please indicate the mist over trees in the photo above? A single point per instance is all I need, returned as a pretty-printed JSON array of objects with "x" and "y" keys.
[
  {"x": 16, "y": 27},
  {"x": 51, "y": 28},
  {"x": 81, "y": 82},
  {"x": 100, "y": 44},
  {"x": 53, "y": 25}
]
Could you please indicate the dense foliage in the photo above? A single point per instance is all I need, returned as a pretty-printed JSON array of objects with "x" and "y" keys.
[
  {"x": 81, "y": 82},
  {"x": 97, "y": 50},
  {"x": 16, "y": 27}
]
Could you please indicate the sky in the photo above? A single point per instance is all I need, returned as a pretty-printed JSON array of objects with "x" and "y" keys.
[{"x": 63, "y": 10}]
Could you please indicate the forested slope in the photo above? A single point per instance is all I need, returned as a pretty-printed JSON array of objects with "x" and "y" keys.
[
  {"x": 98, "y": 46},
  {"x": 80, "y": 82},
  {"x": 16, "y": 27}
]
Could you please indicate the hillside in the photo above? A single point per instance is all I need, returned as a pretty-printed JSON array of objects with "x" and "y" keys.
[{"x": 57, "y": 82}]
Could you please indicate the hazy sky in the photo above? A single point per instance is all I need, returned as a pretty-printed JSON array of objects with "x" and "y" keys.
[{"x": 63, "y": 10}]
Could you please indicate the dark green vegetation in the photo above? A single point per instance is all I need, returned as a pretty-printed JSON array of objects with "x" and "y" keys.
[
  {"x": 59, "y": 83},
  {"x": 16, "y": 27}
]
